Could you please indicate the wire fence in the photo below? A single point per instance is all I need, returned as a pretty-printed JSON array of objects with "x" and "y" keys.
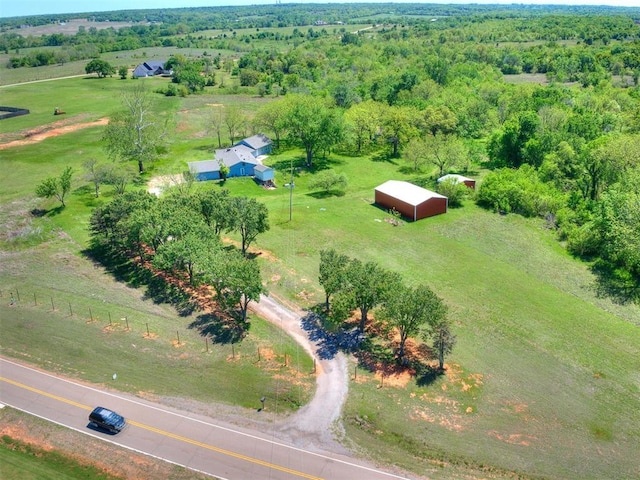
[{"x": 115, "y": 319}]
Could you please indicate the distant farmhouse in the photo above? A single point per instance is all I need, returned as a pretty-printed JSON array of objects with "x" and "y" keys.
[
  {"x": 244, "y": 159},
  {"x": 409, "y": 200},
  {"x": 151, "y": 69},
  {"x": 455, "y": 178}
]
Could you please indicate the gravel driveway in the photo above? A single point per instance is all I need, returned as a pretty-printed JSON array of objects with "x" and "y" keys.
[{"x": 316, "y": 426}]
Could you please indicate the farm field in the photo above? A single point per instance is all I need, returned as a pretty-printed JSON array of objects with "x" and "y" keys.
[
  {"x": 130, "y": 58},
  {"x": 543, "y": 382}
]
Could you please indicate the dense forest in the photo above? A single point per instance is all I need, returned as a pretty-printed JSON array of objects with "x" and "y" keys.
[{"x": 545, "y": 101}]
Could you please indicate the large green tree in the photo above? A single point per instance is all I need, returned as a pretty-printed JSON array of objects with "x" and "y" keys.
[
  {"x": 243, "y": 283},
  {"x": 362, "y": 121},
  {"x": 444, "y": 151},
  {"x": 411, "y": 309},
  {"x": 332, "y": 276},
  {"x": 617, "y": 231},
  {"x": 272, "y": 117},
  {"x": 214, "y": 207},
  {"x": 400, "y": 124},
  {"x": 249, "y": 218},
  {"x": 235, "y": 279},
  {"x": 101, "y": 67},
  {"x": 605, "y": 160},
  {"x": 312, "y": 124},
  {"x": 188, "y": 253},
  {"x": 368, "y": 285}
]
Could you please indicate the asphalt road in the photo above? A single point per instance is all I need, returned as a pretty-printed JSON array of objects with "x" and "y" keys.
[{"x": 186, "y": 439}]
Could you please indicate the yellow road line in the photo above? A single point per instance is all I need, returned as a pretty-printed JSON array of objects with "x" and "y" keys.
[
  {"x": 170, "y": 435},
  {"x": 46, "y": 394}
]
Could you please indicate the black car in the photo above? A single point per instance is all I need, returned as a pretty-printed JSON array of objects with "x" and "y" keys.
[{"x": 107, "y": 419}]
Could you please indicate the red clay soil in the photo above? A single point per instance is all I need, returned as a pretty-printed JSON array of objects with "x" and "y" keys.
[{"x": 54, "y": 129}]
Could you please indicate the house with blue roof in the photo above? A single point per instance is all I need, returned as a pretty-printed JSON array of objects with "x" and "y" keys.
[{"x": 241, "y": 160}]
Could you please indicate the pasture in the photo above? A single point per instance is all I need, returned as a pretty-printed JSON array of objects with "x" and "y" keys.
[{"x": 543, "y": 382}]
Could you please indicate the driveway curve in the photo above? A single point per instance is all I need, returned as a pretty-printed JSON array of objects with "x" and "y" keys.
[{"x": 316, "y": 426}]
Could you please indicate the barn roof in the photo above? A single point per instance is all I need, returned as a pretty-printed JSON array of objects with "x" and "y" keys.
[
  {"x": 457, "y": 178},
  {"x": 407, "y": 192}
]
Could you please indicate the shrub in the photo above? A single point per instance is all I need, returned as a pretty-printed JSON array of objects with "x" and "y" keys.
[
  {"x": 455, "y": 191},
  {"x": 519, "y": 191}
]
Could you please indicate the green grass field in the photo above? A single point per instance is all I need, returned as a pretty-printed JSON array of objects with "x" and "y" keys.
[{"x": 543, "y": 382}]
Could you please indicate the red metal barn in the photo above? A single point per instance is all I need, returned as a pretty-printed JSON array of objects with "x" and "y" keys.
[{"x": 411, "y": 201}]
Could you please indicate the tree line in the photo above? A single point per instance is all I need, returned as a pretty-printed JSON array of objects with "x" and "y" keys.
[
  {"x": 353, "y": 285},
  {"x": 180, "y": 234}
]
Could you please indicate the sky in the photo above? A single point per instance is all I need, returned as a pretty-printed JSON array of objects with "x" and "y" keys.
[{"x": 15, "y": 8}]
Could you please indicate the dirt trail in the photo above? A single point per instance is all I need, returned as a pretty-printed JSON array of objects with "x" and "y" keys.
[
  {"x": 51, "y": 130},
  {"x": 316, "y": 425}
]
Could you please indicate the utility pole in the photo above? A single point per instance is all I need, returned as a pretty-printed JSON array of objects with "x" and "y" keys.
[{"x": 291, "y": 185}]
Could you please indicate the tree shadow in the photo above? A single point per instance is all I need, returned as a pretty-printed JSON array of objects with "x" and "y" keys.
[
  {"x": 160, "y": 291},
  {"x": 329, "y": 343},
  {"x": 384, "y": 157},
  {"x": 285, "y": 165},
  {"x": 206, "y": 148},
  {"x": 424, "y": 181},
  {"x": 123, "y": 269},
  {"x": 426, "y": 375},
  {"x": 221, "y": 329},
  {"x": 51, "y": 212},
  {"x": 326, "y": 194},
  {"x": 87, "y": 195},
  {"x": 614, "y": 283}
]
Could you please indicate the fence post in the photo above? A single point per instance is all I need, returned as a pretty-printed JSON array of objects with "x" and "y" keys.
[
  {"x": 70, "y": 310},
  {"x": 90, "y": 314},
  {"x": 53, "y": 307},
  {"x": 109, "y": 318},
  {"x": 35, "y": 300},
  {"x": 178, "y": 335},
  {"x": 18, "y": 294},
  {"x": 148, "y": 334},
  {"x": 126, "y": 320},
  {"x": 206, "y": 343}
]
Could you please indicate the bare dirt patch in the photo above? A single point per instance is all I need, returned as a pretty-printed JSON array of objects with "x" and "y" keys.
[
  {"x": 158, "y": 184},
  {"x": 61, "y": 127},
  {"x": 514, "y": 438}
]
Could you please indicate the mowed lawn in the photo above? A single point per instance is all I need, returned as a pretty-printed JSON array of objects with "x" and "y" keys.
[{"x": 544, "y": 378}]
